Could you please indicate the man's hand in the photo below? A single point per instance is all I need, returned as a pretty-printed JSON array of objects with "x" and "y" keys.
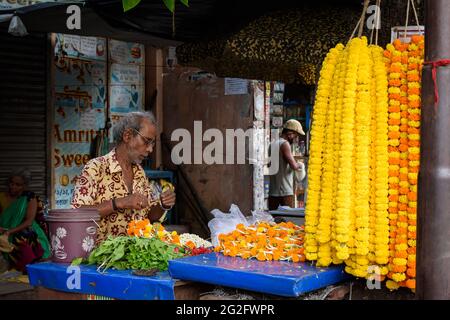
[
  {"x": 136, "y": 201},
  {"x": 301, "y": 166},
  {"x": 168, "y": 199}
]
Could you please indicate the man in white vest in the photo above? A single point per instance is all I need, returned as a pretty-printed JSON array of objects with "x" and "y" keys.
[{"x": 281, "y": 188}]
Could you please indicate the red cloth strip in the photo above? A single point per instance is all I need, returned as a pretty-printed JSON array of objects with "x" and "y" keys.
[{"x": 435, "y": 64}]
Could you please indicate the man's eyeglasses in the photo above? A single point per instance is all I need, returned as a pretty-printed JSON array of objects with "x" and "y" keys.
[{"x": 148, "y": 141}]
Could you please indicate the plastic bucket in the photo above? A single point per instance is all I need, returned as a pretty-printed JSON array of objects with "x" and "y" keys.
[{"x": 72, "y": 233}]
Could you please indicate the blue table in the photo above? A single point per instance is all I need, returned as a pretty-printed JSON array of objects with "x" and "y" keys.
[
  {"x": 113, "y": 284},
  {"x": 272, "y": 277}
]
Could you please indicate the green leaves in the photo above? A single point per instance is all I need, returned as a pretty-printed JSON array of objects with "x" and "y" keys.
[
  {"x": 129, "y": 4},
  {"x": 134, "y": 253},
  {"x": 76, "y": 261},
  {"x": 185, "y": 2},
  {"x": 170, "y": 4}
]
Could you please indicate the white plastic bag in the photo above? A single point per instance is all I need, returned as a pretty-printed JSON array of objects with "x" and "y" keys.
[
  {"x": 259, "y": 217},
  {"x": 17, "y": 28},
  {"x": 225, "y": 222}
]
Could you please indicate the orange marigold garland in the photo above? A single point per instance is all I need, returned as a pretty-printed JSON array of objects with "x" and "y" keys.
[{"x": 404, "y": 147}]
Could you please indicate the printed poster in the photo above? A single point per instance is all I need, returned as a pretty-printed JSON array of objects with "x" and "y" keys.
[
  {"x": 126, "y": 52},
  {"x": 79, "y": 98},
  {"x": 73, "y": 46},
  {"x": 236, "y": 86},
  {"x": 126, "y": 88}
]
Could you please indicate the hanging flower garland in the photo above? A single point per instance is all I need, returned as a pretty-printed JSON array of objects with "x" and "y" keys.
[
  {"x": 347, "y": 220},
  {"x": 316, "y": 158},
  {"x": 402, "y": 265}
]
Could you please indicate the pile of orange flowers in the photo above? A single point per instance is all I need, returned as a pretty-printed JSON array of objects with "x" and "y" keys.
[
  {"x": 404, "y": 62},
  {"x": 264, "y": 241},
  {"x": 143, "y": 228}
]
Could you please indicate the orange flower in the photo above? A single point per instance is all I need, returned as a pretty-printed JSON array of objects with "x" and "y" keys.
[
  {"x": 411, "y": 284},
  {"x": 404, "y": 163},
  {"x": 411, "y": 250},
  {"x": 393, "y": 197},
  {"x": 411, "y": 235},
  {"x": 413, "y": 130},
  {"x": 394, "y": 134},
  {"x": 414, "y": 117},
  {"x": 414, "y": 169},
  {"x": 403, "y": 147},
  {"x": 411, "y": 210},
  {"x": 412, "y": 91},
  {"x": 394, "y": 108},
  {"x": 393, "y": 173},
  {"x": 403, "y": 191},
  {"x": 412, "y": 196},
  {"x": 414, "y": 143},
  {"x": 411, "y": 264},
  {"x": 417, "y": 38},
  {"x": 402, "y": 206},
  {"x": 403, "y": 177},
  {"x": 393, "y": 210},
  {"x": 411, "y": 272},
  {"x": 398, "y": 269},
  {"x": 404, "y": 100},
  {"x": 414, "y": 104},
  {"x": 404, "y": 127},
  {"x": 414, "y": 157},
  {"x": 412, "y": 222},
  {"x": 395, "y": 83},
  {"x": 394, "y": 161},
  {"x": 394, "y": 122}
]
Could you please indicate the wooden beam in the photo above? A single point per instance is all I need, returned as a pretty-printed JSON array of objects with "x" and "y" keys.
[{"x": 433, "y": 242}]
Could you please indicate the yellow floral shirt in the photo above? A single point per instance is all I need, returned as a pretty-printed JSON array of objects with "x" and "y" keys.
[{"x": 102, "y": 180}]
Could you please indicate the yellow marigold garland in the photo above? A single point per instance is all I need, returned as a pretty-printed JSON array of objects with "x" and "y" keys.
[{"x": 315, "y": 162}]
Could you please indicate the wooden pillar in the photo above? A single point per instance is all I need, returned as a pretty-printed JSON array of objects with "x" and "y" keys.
[{"x": 433, "y": 242}]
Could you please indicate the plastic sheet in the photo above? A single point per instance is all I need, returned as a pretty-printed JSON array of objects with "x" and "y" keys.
[
  {"x": 115, "y": 284},
  {"x": 272, "y": 277}
]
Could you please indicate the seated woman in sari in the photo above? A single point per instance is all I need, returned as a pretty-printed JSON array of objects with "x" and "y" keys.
[{"x": 19, "y": 221}]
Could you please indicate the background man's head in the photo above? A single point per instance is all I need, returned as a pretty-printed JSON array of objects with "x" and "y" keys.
[{"x": 292, "y": 129}]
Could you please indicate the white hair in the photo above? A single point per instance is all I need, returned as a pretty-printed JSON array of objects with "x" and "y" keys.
[{"x": 132, "y": 120}]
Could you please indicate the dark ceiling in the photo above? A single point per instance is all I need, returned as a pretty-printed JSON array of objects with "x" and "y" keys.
[{"x": 203, "y": 19}]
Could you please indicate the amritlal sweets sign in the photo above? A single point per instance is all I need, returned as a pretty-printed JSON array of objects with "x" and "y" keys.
[{"x": 79, "y": 105}]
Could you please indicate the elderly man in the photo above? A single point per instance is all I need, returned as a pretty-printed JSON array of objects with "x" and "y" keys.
[{"x": 116, "y": 184}]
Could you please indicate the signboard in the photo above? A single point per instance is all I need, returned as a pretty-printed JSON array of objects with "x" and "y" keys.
[
  {"x": 79, "y": 99},
  {"x": 400, "y": 32},
  {"x": 126, "y": 52},
  {"x": 73, "y": 46},
  {"x": 15, "y": 4},
  {"x": 234, "y": 86},
  {"x": 127, "y": 77}
]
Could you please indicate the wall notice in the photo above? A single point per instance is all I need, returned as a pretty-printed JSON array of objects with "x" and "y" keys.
[{"x": 234, "y": 86}]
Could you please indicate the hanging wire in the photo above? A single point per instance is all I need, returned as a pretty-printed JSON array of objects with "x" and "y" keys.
[
  {"x": 406, "y": 22},
  {"x": 415, "y": 15},
  {"x": 378, "y": 20},
  {"x": 354, "y": 31},
  {"x": 363, "y": 14}
]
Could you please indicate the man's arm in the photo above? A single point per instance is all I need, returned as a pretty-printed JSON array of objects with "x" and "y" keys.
[{"x": 285, "y": 150}]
